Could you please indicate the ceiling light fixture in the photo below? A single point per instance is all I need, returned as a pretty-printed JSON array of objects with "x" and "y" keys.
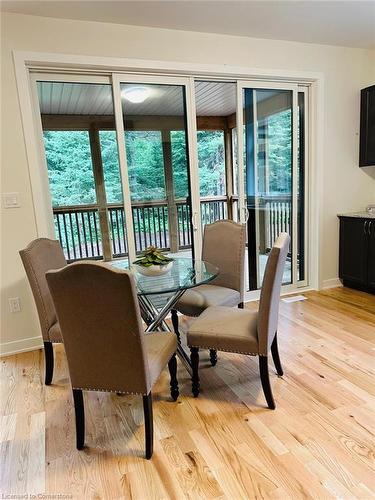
[{"x": 136, "y": 94}]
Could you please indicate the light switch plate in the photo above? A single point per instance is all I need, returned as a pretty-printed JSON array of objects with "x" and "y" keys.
[{"x": 11, "y": 200}]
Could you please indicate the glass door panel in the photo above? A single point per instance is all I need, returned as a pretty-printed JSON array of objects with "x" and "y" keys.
[
  {"x": 82, "y": 162},
  {"x": 154, "y": 122},
  {"x": 268, "y": 189},
  {"x": 215, "y": 116},
  {"x": 302, "y": 191},
  {"x": 113, "y": 189}
]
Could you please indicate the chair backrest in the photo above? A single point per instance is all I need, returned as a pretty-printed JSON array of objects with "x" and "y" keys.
[
  {"x": 270, "y": 293},
  {"x": 224, "y": 246},
  {"x": 98, "y": 312},
  {"x": 38, "y": 257}
]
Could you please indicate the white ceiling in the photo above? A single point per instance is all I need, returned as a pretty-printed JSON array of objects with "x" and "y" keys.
[
  {"x": 212, "y": 99},
  {"x": 346, "y": 23}
]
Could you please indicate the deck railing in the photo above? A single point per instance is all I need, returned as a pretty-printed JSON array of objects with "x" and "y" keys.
[
  {"x": 277, "y": 217},
  {"x": 78, "y": 228}
]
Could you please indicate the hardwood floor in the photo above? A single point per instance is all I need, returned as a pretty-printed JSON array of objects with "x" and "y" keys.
[{"x": 318, "y": 443}]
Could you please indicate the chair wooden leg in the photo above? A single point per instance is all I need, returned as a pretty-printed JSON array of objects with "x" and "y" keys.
[
  {"x": 172, "y": 365},
  {"x": 213, "y": 356},
  {"x": 175, "y": 324},
  {"x": 49, "y": 362},
  {"x": 241, "y": 305},
  {"x": 80, "y": 418},
  {"x": 264, "y": 377},
  {"x": 194, "y": 357},
  {"x": 149, "y": 424},
  {"x": 276, "y": 357}
]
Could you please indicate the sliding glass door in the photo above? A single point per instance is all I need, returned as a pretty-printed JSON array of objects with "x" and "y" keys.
[
  {"x": 268, "y": 174},
  {"x": 140, "y": 160},
  {"x": 153, "y": 136},
  {"x": 80, "y": 149},
  {"x": 118, "y": 157},
  {"x": 215, "y": 103}
]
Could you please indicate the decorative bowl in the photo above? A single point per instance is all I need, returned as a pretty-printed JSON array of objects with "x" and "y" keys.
[{"x": 153, "y": 270}]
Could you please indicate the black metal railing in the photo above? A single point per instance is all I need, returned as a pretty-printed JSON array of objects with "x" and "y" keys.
[
  {"x": 78, "y": 228},
  {"x": 116, "y": 220},
  {"x": 212, "y": 209},
  {"x": 151, "y": 226},
  {"x": 183, "y": 224},
  {"x": 78, "y": 231}
]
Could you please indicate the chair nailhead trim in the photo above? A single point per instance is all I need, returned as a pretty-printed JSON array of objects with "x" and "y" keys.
[
  {"x": 227, "y": 350},
  {"x": 45, "y": 329},
  {"x": 107, "y": 390}
]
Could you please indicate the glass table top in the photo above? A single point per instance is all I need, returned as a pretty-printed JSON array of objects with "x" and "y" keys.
[{"x": 185, "y": 273}]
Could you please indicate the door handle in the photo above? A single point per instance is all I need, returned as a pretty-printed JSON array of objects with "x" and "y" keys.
[
  {"x": 365, "y": 227},
  {"x": 194, "y": 221},
  {"x": 247, "y": 214},
  {"x": 369, "y": 227}
]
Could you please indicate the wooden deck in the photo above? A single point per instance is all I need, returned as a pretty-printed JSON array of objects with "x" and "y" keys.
[{"x": 318, "y": 443}]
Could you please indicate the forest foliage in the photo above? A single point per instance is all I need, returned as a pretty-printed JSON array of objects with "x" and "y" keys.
[{"x": 72, "y": 180}]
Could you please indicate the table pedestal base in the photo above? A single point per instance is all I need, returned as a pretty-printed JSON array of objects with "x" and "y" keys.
[{"x": 155, "y": 321}]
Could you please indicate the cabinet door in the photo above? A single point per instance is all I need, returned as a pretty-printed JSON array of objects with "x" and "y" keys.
[
  {"x": 353, "y": 250},
  {"x": 371, "y": 254}
]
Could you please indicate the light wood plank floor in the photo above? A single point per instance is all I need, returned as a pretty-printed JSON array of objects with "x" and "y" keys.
[{"x": 319, "y": 443}]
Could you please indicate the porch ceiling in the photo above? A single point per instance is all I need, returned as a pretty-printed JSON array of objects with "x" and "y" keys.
[{"x": 212, "y": 99}]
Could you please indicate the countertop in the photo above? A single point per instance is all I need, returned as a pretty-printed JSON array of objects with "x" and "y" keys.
[{"x": 362, "y": 215}]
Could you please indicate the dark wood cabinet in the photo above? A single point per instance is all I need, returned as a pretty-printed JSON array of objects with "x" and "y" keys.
[
  {"x": 357, "y": 252},
  {"x": 367, "y": 130},
  {"x": 371, "y": 255}
]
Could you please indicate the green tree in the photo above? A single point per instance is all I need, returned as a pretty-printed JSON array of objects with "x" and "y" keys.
[
  {"x": 72, "y": 181},
  {"x": 280, "y": 151},
  {"x": 211, "y": 162},
  {"x": 111, "y": 169},
  {"x": 69, "y": 165},
  {"x": 145, "y": 165}
]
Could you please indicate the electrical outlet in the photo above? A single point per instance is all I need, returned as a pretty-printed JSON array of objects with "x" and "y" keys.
[{"x": 14, "y": 305}]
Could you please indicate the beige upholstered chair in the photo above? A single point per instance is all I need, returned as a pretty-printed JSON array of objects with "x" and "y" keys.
[
  {"x": 105, "y": 345},
  {"x": 223, "y": 246},
  {"x": 245, "y": 332},
  {"x": 38, "y": 257}
]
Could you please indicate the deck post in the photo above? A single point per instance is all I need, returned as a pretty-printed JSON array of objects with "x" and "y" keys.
[
  {"x": 97, "y": 165},
  {"x": 169, "y": 188}
]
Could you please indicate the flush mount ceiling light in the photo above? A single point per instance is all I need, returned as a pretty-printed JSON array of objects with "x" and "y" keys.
[{"x": 136, "y": 94}]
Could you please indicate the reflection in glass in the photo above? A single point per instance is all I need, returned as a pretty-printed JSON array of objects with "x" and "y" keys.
[
  {"x": 83, "y": 170},
  {"x": 268, "y": 179},
  {"x": 216, "y": 119},
  {"x": 157, "y": 158},
  {"x": 111, "y": 168},
  {"x": 144, "y": 153},
  {"x": 185, "y": 273},
  {"x": 301, "y": 272},
  {"x": 211, "y": 162}
]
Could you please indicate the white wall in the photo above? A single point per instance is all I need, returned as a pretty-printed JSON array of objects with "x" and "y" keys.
[{"x": 346, "y": 187}]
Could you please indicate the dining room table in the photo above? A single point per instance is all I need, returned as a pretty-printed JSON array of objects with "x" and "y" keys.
[{"x": 157, "y": 295}]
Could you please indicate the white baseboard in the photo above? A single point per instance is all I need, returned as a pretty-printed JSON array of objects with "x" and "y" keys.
[
  {"x": 17, "y": 346},
  {"x": 331, "y": 283}
]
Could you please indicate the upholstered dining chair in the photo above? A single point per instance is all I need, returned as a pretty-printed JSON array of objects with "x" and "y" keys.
[
  {"x": 105, "y": 344},
  {"x": 38, "y": 257},
  {"x": 242, "y": 331},
  {"x": 223, "y": 246}
]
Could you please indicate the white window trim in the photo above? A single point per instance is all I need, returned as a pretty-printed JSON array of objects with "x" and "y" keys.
[{"x": 25, "y": 61}]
